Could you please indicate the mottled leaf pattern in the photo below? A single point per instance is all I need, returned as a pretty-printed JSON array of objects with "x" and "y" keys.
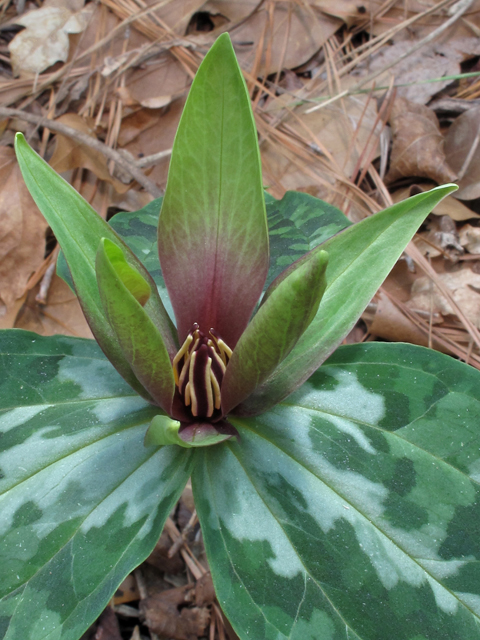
[
  {"x": 352, "y": 510},
  {"x": 82, "y": 501},
  {"x": 297, "y": 223}
]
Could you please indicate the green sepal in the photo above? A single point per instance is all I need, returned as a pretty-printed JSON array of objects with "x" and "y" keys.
[
  {"x": 163, "y": 431},
  {"x": 138, "y": 337},
  {"x": 78, "y": 229},
  {"x": 289, "y": 306},
  {"x": 361, "y": 257}
]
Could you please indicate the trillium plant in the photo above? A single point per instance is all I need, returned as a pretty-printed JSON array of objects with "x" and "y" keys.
[{"x": 337, "y": 491}]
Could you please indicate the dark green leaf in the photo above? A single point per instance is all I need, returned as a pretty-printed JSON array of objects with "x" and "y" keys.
[
  {"x": 82, "y": 501},
  {"x": 296, "y": 224},
  {"x": 352, "y": 510}
]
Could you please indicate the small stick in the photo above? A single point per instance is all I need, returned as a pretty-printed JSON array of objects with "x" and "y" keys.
[
  {"x": 41, "y": 297},
  {"x": 89, "y": 141}
]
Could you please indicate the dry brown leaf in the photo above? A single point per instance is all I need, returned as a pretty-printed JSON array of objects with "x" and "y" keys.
[
  {"x": 350, "y": 11},
  {"x": 335, "y": 128},
  {"x": 462, "y": 147},
  {"x": 417, "y": 148},
  {"x": 108, "y": 627},
  {"x": 297, "y": 32},
  {"x": 156, "y": 138},
  {"x": 69, "y": 154},
  {"x": 449, "y": 206},
  {"x": 61, "y": 315},
  {"x": 434, "y": 61},
  {"x": 44, "y": 41},
  {"x": 389, "y": 323},
  {"x": 157, "y": 83},
  {"x": 464, "y": 286},
  {"x": 442, "y": 233},
  {"x": 137, "y": 122},
  {"x": 160, "y": 559},
  {"x": 470, "y": 238},
  {"x": 163, "y": 617},
  {"x": 204, "y": 590},
  {"x": 232, "y": 10},
  {"x": 22, "y": 234},
  {"x": 127, "y": 591}
]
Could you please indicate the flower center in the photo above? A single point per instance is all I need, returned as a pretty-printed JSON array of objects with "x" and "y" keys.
[{"x": 199, "y": 368}]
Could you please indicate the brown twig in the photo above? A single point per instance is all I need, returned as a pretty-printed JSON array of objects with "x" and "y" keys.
[{"x": 119, "y": 158}]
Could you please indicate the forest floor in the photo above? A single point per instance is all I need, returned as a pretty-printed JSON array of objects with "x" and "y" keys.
[{"x": 359, "y": 104}]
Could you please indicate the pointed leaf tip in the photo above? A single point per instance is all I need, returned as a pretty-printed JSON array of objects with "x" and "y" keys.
[{"x": 289, "y": 306}]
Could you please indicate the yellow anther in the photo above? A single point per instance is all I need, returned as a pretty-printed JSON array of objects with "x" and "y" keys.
[
  {"x": 179, "y": 356},
  {"x": 216, "y": 391},
  {"x": 208, "y": 386},
  {"x": 193, "y": 397}
]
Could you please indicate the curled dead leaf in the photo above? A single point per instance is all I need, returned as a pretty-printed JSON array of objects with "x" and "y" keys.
[
  {"x": 162, "y": 615},
  {"x": 449, "y": 206},
  {"x": 462, "y": 146},
  {"x": 417, "y": 148},
  {"x": 22, "y": 234},
  {"x": 464, "y": 286},
  {"x": 470, "y": 238},
  {"x": 44, "y": 40},
  {"x": 61, "y": 315}
]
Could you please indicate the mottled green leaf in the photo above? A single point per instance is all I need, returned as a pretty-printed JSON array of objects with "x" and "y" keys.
[
  {"x": 296, "y": 224},
  {"x": 78, "y": 229},
  {"x": 360, "y": 258},
  {"x": 140, "y": 340},
  {"x": 82, "y": 501},
  {"x": 213, "y": 236},
  {"x": 287, "y": 309},
  {"x": 352, "y": 509}
]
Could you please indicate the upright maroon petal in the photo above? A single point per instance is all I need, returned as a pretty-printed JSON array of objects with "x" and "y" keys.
[{"x": 212, "y": 234}]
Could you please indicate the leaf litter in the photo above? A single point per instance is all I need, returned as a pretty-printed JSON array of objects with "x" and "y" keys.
[{"x": 361, "y": 104}]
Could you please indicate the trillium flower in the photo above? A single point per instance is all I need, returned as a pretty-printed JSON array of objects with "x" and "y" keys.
[
  {"x": 214, "y": 253},
  {"x": 218, "y": 359}
]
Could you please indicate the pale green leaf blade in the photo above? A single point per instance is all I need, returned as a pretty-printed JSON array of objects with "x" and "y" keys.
[
  {"x": 78, "y": 229},
  {"x": 82, "y": 500},
  {"x": 352, "y": 509},
  {"x": 213, "y": 237},
  {"x": 287, "y": 309},
  {"x": 360, "y": 258},
  {"x": 137, "y": 335}
]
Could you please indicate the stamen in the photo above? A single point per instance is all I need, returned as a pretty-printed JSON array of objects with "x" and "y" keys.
[
  {"x": 193, "y": 395},
  {"x": 222, "y": 347},
  {"x": 208, "y": 388},
  {"x": 216, "y": 391},
  {"x": 180, "y": 355},
  {"x": 199, "y": 368}
]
